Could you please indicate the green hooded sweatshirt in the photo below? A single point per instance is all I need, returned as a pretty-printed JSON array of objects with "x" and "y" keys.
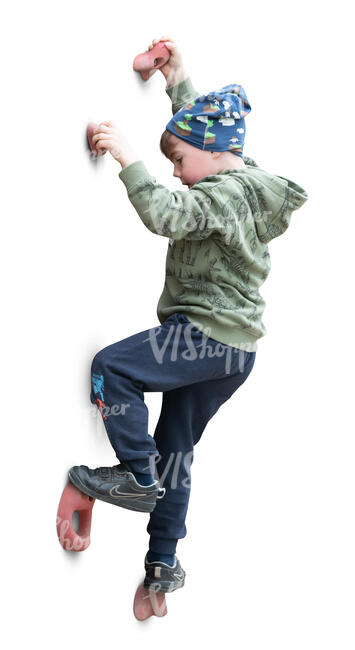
[{"x": 219, "y": 230}]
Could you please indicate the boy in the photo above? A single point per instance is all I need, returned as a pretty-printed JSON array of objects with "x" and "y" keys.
[{"x": 210, "y": 309}]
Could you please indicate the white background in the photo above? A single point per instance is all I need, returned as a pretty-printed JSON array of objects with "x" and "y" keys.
[{"x": 269, "y": 551}]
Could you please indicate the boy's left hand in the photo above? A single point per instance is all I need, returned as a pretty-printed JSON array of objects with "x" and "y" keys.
[{"x": 108, "y": 137}]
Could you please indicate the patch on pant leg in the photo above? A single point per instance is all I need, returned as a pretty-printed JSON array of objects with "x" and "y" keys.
[
  {"x": 98, "y": 385},
  {"x": 98, "y": 388}
]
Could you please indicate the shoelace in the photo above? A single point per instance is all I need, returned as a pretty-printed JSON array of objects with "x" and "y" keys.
[
  {"x": 111, "y": 472},
  {"x": 119, "y": 470}
]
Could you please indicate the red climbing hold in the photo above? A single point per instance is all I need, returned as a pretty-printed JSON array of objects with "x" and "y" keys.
[
  {"x": 73, "y": 500},
  {"x": 148, "y": 62}
]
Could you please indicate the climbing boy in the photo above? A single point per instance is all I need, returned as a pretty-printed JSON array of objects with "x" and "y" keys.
[{"x": 210, "y": 310}]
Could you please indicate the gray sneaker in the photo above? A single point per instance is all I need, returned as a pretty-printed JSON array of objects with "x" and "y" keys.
[
  {"x": 116, "y": 485},
  {"x": 160, "y": 576}
]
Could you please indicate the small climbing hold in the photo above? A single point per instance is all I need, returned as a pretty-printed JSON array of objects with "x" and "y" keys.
[
  {"x": 149, "y": 602},
  {"x": 149, "y": 62},
  {"x": 90, "y": 133}
]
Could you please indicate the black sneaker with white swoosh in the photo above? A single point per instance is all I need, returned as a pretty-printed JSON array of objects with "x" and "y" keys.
[
  {"x": 159, "y": 576},
  {"x": 116, "y": 485}
]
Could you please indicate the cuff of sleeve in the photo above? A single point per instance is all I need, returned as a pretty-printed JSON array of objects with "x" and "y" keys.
[
  {"x": 185, "y": 86},
  {"x": 133, "y": 173}
]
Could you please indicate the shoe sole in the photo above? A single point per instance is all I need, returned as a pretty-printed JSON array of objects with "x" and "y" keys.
[
  {"x": 163, "y": 585},
  {"x": 146, "y": 504}
]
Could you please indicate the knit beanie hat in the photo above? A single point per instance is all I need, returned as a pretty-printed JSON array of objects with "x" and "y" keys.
[{"x": 214, "y": 122}]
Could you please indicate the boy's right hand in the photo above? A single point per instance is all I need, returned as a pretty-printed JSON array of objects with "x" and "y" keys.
[{"x": 173, "y": 70}]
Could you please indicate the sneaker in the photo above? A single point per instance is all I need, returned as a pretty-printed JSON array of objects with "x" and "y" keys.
[
  {"x": 163, "y": 577},
  {"x": 116, "y": 485}
]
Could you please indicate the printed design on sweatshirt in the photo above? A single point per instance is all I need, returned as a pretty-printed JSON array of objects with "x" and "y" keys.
[
  {"x": 223, "y": 259},
  {"x": 250, "y": 162},
  {"x": 258, "y": 209},
  {"x": 271, "y": 231},
  {"x": 208, "y": 287},
  {"x": 252, "y": 239},
  {"x": 259, "y": 328},
  {"x": 186, "y": 251},
  {"x": 159, "y": 223},
  {"x": 249, "y": 304},
  {"x": 255, "y": 200},
  {"x": 193, "y": 220},
  {"x": 235, "y": 265},
  {"x": 218, "y": 303},
  {"x": 98, "y": 388},
  {"x": 283, "y": 216},
  {"x": 266, "y": 259},
  {"x": 237, "y": 269},
  {"x": 145, "y": 190},
  {"x": 231, "y": 263},
  {"x": 234, "y": 213}
]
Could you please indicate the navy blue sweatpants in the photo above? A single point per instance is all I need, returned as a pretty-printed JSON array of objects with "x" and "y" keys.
[{"x": 196, "y": 375}]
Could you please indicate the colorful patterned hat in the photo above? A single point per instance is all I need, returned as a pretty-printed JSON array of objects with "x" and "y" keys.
[{"x": 214, "y": 122}]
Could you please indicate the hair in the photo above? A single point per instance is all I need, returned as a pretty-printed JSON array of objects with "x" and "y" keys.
[{"x": 164, "y": 143}]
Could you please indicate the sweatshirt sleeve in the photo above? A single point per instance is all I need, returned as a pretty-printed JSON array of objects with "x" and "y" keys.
[
  {"x": 181, "y": 94},
  {"x": 191, "y": 214}
]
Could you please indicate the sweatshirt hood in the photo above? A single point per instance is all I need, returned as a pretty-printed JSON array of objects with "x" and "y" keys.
[{"x": 271, "y": 198}]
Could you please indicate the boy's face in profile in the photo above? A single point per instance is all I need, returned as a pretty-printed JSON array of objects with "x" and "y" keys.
[{"x": 190, "y": 163}]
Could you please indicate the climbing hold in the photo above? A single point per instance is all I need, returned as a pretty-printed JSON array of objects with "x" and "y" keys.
[
  {"x": 72, "y": 500},
  {"x": 90, "y": 134},
  {"x": 149, "y": 62},
  {"x": 148, "y": 602}
]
